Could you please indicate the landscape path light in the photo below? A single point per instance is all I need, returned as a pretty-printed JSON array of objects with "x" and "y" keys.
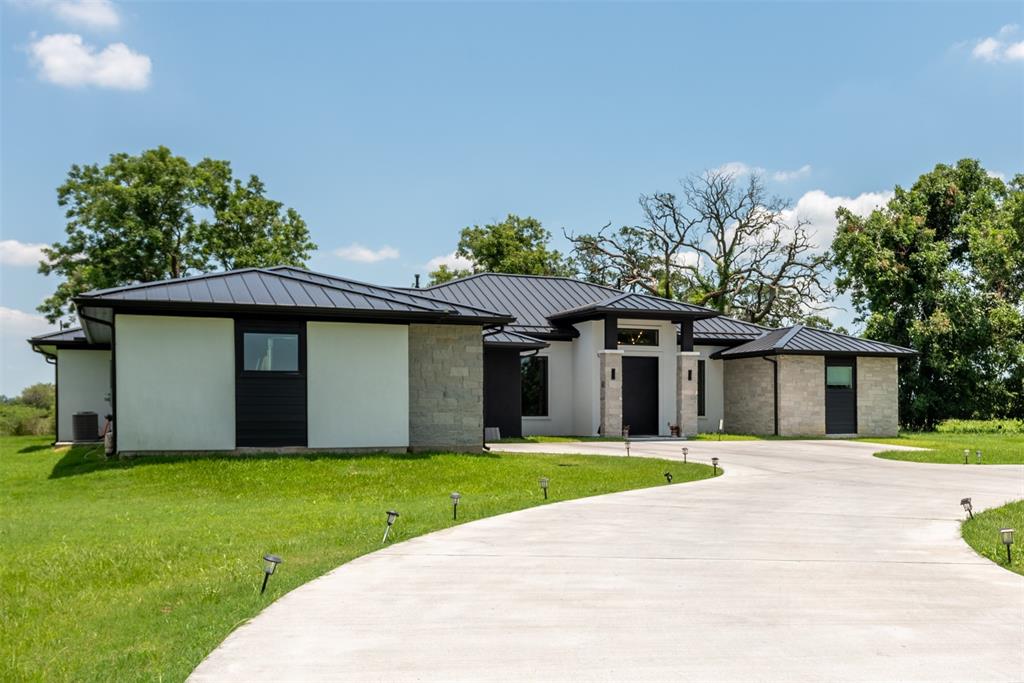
[
  {"x": 978, "y": 454},
  {"x": 392, "y": 516},
  {"x": 1006, "y": 536},
  {"x": 668, "y": 477},
  {"x": 455, "y": 504},
  {"x": 968, "y": 508},
  {"x": 544, "y": 486},
  {"x": 686, "y": 451},
  {"x": 270, "y": 563},
  {"x": 967, "y": 454},
  {"x": 714, "y": 463}
]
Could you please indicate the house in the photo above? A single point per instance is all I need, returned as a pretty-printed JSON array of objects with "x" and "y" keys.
[{"x": 285, "y": 358}]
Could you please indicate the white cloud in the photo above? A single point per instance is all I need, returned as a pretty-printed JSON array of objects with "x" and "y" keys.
[
  {"x": 90, "y": 13},
  {"x": 998, "y": 48},
  {"x": 361, "y": 254},
  {"x": 20, "y": 324},
  {"x": 738, "y": 168},
  {"x": 19, "y": 365},
  {"x": 819, "y": 209},
  {"x": 686, "y": 258},
  {"x": 786, "y": 176},
  {"x": 452, "y": 260},
  {"x": 64, "y": 59},
  {"x": 15, "y": 253}
]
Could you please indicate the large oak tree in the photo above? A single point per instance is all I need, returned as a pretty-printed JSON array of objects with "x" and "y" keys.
[{"x": 154, "y": 215}]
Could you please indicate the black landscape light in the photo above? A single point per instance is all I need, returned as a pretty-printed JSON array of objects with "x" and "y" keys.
[
  {"x": 714, "y": 463},
  {"x": 270, "y": 563},
  {"x": 392, "y": 516},
  {"x": 627, "y": 447},
  {"x": 967, "y": 454},
  {"x": 968, "y": 508},
  {"x": 978, "y": 454},
  {"x": 544, "y": 486},
  {"x": 686, "y": 451},
  {"x": 455, "y": 504},
  {"x": 668, "y": 477},
  {"x": 1006, "y": 536}
]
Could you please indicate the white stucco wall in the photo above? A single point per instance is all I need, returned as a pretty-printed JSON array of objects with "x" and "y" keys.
[
  {"x": 358, "y": 385},
  {"x": 587, "y": 378},
  {"x": 175, "y": 383},
  {"x": 561, "y": 411},
  {"x": 83, "y": 384},
  {"x": 714, "y": 406}
]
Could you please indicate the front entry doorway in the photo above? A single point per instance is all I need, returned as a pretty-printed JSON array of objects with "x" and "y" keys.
[
  {"x": 840, "y": 396},
  {"x": 640, "y": 395}
]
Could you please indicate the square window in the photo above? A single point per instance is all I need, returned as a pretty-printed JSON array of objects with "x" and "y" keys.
[
  {"x": 839, "y": 376},
  {"x": 270, "y": 352}
]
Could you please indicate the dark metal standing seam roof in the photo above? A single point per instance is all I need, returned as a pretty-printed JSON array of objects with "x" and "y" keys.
[
  {"x": 512, "y": 340},
  {"x": 811, "y": 341},
  {"x": 285, "y": 290},
  {"x": 533, "y": 299},
  {"x": 637, "y": 305},
  {"x": 726, "y": 329}
]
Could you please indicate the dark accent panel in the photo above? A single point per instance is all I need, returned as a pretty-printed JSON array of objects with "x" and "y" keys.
[
  {"x": 841, "y": 403},
  {"x": 640, "y": 395},
  {"x": 611, "y": 332},
  {"x": 503, "y": 392},
  {"x": 701, "y": 388},
  {"x": 270, "y": 407},
  {"x": 686, "y": 335}
]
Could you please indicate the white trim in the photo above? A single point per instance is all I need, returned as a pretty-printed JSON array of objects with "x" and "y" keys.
[{"x": 687, "y": 353}]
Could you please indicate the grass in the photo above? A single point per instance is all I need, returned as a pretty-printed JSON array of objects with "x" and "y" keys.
[
  {"x": 135, "y": 570},
  {"x": 982, "y": 534},
  {"x": 948, "y": 448},
  {"x": 572, "y": 439}
]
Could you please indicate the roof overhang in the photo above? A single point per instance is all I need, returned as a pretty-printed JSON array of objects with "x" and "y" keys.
[
  {"x": 570, "y": 317},
  {"x": 718, "y": 355}
]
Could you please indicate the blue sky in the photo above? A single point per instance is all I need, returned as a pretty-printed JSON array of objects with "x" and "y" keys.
[{"x": 391, "y": 126}]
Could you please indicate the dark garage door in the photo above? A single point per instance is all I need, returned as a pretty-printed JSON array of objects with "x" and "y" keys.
[
  {"x": 640, "y": 395},
  {"x": 840, "y": 396}
]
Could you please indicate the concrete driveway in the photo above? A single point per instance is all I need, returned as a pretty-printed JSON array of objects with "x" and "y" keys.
[{"x": 806, "y": 561}]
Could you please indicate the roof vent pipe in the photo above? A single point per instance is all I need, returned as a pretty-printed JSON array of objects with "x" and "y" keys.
[{"x": 417, "y": 285}]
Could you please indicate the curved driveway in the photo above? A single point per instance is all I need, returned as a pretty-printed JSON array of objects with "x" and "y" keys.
[{"x": 806, "y": 561}]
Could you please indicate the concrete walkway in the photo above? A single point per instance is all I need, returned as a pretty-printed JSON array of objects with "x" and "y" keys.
[{"x": 806, "y": 561}]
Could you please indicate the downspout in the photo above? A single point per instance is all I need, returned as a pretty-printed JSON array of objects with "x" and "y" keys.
[
  {"x": 113, "y": 374},
  {"x": 775, "y": 393}
]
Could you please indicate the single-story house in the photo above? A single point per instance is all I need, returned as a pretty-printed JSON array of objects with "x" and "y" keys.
[{"x": 281, "y": 358}]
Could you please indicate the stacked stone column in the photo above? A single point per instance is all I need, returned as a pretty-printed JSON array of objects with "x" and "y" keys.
[
  {"x": 610, "y": 362},
  {"x": 686, "y": 392}
]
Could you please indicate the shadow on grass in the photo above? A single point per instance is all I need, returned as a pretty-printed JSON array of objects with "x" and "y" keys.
[
  {"x": 36, "y": 448},
  {"x": 91, "y": 458}
]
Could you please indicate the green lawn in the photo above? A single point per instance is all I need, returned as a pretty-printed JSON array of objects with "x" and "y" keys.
[
  {"x": 570, "y": 439},
  {"x": 982, "y": 534},
  {"x": 948, "y": 448},
  {"x": 136, "y": 570}
]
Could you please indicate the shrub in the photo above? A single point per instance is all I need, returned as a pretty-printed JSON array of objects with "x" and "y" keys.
[
  {"x": 981, "y": 427},
  {"x": 21, "y": 420}
]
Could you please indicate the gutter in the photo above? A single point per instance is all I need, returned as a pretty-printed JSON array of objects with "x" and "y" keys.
[{"x": 775, "y": 393}]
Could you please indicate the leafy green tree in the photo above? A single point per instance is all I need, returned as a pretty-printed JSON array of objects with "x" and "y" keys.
[
  {"x": 941, "y": 269},
  {"x": 515, "y": 245},
  {"x": 154, "y": 216},
  {"x": 42, "y": 395}
]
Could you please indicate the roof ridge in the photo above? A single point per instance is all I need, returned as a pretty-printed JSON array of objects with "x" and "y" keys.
[
  {"x": 788, "y": 336},
  {"x": 341, "y": 289},
  {"x": 172, "y": 280},
  {"x": 522, "y": 275},
  {"x": 68, "y": 330}
]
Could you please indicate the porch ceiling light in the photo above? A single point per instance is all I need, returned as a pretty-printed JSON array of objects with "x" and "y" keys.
[
  {"x": 968, "y": 508},
  {"x": 270, "y": 563},
  {"x": 544, "y": 486},
  {"x": 1006, "y": 536},
  {"x": 392, "y": 516},
  {"x": 455, "y": 504}
]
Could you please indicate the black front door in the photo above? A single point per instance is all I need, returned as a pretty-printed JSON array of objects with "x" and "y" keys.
[
  {"x": 840, "y": 396},
  {"x": 640, "y": 395},
  {"x": 503, "y": 392},
  {"x": 270, "y": 383}
]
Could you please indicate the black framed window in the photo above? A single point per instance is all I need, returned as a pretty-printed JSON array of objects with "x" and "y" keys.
[
  {"x": 839, "y": 376},
  {"x": 270, "y": 352},
  {"x": 701, "y": 388},
  {"x": 634, "y": 336},
  {"x": 535, "y": 386}
]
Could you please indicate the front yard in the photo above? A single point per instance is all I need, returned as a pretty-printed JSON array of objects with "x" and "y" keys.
[
  {"x": 948, "y": 448},
  {"x": 982, "y": 534},
  {"x": 136, "y": 570}
]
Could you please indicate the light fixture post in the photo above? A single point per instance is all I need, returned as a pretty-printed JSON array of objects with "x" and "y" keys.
[
  {"x": 686, "y": 451},
  {"x": 967, "y": 454},
  {"x": 270, "y": 563},
  {"x": 977, "y": 453},
  {"x": 714, "y": 463},
  {"x": 455, "y": 504},
  {"x": 967, "y": 506},
  {"x": 392, "y": 516},
  {"x": 668, "y": 477},
  {"x": 1006, "y": 536},
  {"x": 544, "y": 486}
]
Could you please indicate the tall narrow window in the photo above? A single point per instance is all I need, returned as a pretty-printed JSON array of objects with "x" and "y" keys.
[
  {"x": 535, "y": 386},
  {"x": 701, "y": 388}
]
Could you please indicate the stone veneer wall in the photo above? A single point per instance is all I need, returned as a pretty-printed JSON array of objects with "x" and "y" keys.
[
  {"x": 878, "y": 411},
  {"x": 686, "y": 392},
  {"x": 747, "y": 396},
  {"x": 801, "y": 395},
  {"x": 446, "y": 387},
  {"x": 610, "y": 363}
]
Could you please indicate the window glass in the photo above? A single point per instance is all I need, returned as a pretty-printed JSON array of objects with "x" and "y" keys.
[
  {"x": 535, "y": 386},
  {"x": 271, "y": 352},
  {"x": 637, "y": 337},
  {"x": 700, "y": 388},
  {"x": 839, "y": 376}
]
